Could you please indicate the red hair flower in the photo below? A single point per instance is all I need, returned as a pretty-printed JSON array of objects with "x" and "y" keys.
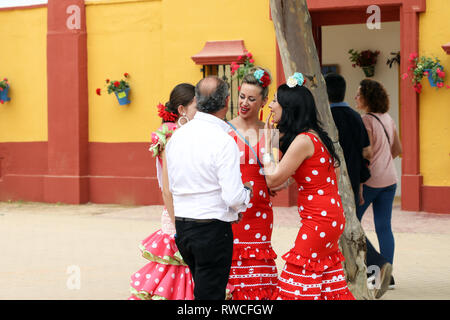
[
  {"x": 263, "y": 77},
  {"x": 166, "y": 115},
  {"x": 265, "y": 80}
]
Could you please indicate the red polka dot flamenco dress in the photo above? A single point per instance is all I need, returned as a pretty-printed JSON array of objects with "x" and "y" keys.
[
  {"x": 253, "y": 271},
  {"x": 313, "y": 269}
]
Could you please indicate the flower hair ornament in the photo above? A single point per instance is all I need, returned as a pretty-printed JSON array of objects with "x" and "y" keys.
[
  {"x": 262, "y": 77},
  {"x": 297, "y": 79},
  {"x": 159, "y": 138},
  {"x": 167, "y": 116}
]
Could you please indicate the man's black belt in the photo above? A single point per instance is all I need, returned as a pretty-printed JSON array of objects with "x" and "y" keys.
[{"x": 194, "y": 220}]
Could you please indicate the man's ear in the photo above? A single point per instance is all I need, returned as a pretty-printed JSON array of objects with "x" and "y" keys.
[{"x": 227, "y": 101}]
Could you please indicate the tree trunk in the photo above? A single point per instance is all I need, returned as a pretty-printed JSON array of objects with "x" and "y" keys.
[{"x": 298, "y": 52}]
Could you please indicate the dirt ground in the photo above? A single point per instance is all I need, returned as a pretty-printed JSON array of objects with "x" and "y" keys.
[{"x": 90, "y": 251}]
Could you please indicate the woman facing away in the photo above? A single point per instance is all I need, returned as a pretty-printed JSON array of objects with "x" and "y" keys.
[
  {"x": 253, "y": 270},
  {"x": 313, "y": 268},
  {"x": 379, "y": 190},
  {"x": 166, "y": 276}
]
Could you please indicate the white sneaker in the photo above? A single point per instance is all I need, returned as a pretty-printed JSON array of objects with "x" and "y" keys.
[{"x": 371, "y": 282}]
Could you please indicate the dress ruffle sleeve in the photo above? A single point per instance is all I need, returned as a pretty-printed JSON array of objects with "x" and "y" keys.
[{"x": 160, "y": 137}]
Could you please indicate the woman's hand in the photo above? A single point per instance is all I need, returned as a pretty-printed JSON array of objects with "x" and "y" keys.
[{"x": 361, "y": 197}]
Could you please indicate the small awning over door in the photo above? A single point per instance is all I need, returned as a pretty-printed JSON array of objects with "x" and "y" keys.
[{"x": 220, "y": 52}]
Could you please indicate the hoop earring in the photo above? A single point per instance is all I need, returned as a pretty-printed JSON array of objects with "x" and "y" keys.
[{"x": 186, "y": 120}]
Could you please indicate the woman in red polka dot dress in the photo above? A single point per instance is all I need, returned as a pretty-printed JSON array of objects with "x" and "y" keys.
[
  {"x": 313, "y": 268},
  {"x": 253, "y": 270}
]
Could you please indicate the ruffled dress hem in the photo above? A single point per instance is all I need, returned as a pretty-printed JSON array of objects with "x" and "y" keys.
[
  {"x": 254, "y": 294},
  {"x": 310, "y": 264},
  {"x": 305, "y": 278},
  {"x": 344, "y": 294},
  {"x": 258, "y": 253},
  {"x": 160, "y": 247}
]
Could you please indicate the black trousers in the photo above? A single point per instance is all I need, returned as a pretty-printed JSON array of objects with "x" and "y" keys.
[{"x": 207, "y": 248}]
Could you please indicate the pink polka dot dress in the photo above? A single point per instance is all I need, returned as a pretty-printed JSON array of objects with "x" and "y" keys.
[
  {"x": 253, "y": 270},
  {"x": 313, "y": 269},
  {"x": 166, "y": 275}
]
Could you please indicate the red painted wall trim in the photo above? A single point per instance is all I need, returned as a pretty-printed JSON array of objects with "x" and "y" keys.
[
  {"x": 436, "y": 199},
  {"x": 23, "y": 167},
  {"x": 67, "y": 103},
  {"x": 335, "y": 17},
  {"x": 317, "y": 5},
  {"x": 409, "y": 116},
  {"x": 281, "y": 78},
  {"x": 124, "y": 173}
]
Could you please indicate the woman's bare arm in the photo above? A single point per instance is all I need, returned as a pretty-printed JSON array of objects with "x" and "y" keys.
[{"x": 166, "y": 194}]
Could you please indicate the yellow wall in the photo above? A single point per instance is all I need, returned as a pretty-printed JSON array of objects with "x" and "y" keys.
[
  {"x": 23, "y": 61},
  {"x": 435, "y": 103},
  {"x": 154, "y": 43},
  {"x": 124, "y": 38}
]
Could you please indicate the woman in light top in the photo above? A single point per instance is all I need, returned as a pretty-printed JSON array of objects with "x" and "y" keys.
[{"x": 379, "y": 190}]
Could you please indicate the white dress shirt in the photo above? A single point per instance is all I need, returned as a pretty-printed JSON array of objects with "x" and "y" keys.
[{"x": 204, "y": 171}]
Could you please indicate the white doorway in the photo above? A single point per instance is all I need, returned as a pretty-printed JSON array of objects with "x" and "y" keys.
[{"x": 338, "y": 40}]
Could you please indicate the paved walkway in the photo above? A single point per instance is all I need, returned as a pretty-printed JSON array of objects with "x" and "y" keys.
[{"x": 44, "y": 247}]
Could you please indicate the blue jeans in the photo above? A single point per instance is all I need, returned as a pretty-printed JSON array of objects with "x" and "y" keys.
[{"x": 381, "y": 200}]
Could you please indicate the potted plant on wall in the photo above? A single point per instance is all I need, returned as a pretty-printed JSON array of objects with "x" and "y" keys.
[
  {"x": 4, "y": 89},
  {"x": 366, "y": 60},
  {"x": 121, "y": 89},
  {"x": 425, "y": 66}
]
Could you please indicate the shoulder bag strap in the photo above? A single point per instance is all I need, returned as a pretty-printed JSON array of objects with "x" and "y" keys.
[{"x": 387, "y": 136}]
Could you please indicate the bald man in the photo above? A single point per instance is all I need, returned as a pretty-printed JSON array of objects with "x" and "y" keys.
[{"x": 208, "y": 193}]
